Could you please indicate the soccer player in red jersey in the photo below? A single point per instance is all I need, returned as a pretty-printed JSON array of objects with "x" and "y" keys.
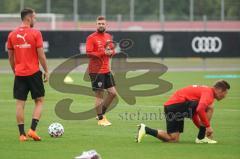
[
  {"x": 100, "y": 49},
  {"x": 25, "y": 51},
  {"x": 194, "y": 102}
]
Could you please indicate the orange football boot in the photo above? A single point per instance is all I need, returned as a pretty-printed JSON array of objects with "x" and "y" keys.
[
  {"x": 22, "y": 138},
  {"x": 33, "y": 135}
]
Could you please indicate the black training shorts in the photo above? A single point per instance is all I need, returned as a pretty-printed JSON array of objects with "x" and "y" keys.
[
  {"x": 32, "y": 83},
  {"x": 101, "y": 81},
  {"x": 176, "y": 113}
]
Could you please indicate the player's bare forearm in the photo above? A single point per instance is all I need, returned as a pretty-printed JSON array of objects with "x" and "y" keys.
[
  {"x": 42, "y": 59},
  {"x": 11, "y": 60},
  {"x": 196, "y": 120},
  {"x": 201, "y": 111},
  {"x": 43, "y": 62},
  {"x": 210, "y": 111}
]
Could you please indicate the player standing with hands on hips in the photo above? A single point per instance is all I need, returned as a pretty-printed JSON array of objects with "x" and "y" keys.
[
  {"x": 100, "y": 49},
  {"x": 25, "y": 51}
]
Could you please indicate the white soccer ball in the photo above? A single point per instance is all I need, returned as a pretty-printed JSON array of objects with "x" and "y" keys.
[{"x": 55, "y": 130}]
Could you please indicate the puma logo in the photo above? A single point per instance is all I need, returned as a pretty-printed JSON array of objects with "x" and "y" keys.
[
  {"x": 22, "y": 37},
  {"x": 25, "y": 45}
]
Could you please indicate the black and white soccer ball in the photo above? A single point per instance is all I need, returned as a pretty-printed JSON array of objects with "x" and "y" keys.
[{"x": 55, "y": 130}]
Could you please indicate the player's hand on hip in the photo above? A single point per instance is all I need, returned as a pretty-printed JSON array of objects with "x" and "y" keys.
[
  {"x": 45, "y": 76},
  {"x": 209, "y": 131}
]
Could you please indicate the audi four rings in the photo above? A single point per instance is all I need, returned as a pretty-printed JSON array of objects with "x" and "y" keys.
[{"x": 206, "y": 44}]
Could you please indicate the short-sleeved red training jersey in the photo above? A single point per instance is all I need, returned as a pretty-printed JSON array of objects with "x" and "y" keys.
[
  {"x": 95, "y": 48},
  {"x": 203, "y": 94},
  {"x": 24, "y": 42}
]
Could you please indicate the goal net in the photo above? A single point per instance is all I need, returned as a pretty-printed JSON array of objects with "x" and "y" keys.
[{"x": 45, "y": 21}]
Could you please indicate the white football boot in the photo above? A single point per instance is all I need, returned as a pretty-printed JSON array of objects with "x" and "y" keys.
[
  {"x": 141, "y": 132},
  {"x": 205, "y": 140}
]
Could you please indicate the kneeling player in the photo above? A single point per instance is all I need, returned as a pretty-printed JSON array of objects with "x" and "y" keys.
[{"x": 194, "y": 102}]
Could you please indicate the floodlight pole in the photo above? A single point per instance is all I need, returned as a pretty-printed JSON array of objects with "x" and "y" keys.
[
  {"x": 75, "y": 10},
  {"x": 222, "y": 10},
  {"x": 21, "y": 5},
  {"x": 103, "y": 8},
  {"x": 191, "y": 10},
  {"x": 132, "y": 3},
  {"x": 161, "y": 13},
  {"x": 48, "y": 6}
]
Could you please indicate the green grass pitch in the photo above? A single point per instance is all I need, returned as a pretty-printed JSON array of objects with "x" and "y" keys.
[{"x": 117, "y": 141}]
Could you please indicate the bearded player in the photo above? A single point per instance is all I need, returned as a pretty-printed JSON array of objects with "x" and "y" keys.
[
  {"x": 194, "y": 102},
  {"x": 25, "y": 51},
  {"x": 100, "y": 49}
]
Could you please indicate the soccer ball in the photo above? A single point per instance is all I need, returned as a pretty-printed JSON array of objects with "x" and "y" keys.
[{"x": 55, "y": 130}]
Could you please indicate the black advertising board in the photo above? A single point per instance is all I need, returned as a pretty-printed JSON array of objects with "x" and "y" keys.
[{"x": 63, "y": 44}]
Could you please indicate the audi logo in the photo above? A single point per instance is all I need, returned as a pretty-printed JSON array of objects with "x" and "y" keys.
[{"x": 206, "y": 44}]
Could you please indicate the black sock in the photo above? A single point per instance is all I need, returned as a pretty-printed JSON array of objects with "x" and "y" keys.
[
  {"x": 104, "y": 109},
  {"x": 21, "y": 129},
  {"x": 201, "y": 133},
  {"x": 34, "y": 124},
  {"x": 150, "y": 131},
  {"x": 100, "y": 116}
]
